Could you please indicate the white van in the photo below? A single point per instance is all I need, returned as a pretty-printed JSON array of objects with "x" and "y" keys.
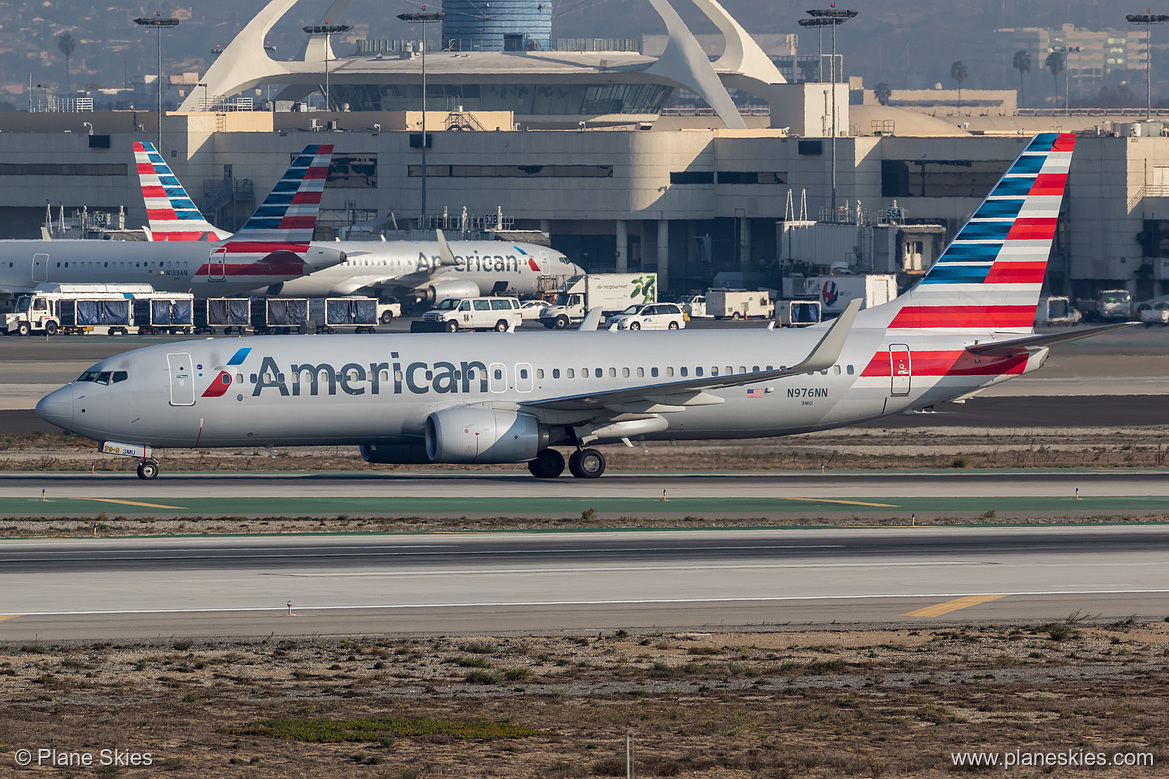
[{"x": 454, "y": 314}]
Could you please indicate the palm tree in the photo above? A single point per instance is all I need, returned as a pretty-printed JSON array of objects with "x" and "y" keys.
[
  {"x": 67, "y": 44},
  {"x": 882, "y": 92},
  {"x": 959, "y": 73},
  {"x": 1055, "y": 63},
  {"x": 1022, "y": 63}
]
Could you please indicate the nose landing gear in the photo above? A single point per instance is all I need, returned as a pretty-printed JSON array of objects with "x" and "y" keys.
[{"x": 147, "y": 470}]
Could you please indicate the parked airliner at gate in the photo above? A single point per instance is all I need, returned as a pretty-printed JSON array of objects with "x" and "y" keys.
[{"x": 436, "y": 398}]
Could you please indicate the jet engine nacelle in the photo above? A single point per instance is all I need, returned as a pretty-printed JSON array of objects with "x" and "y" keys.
[
  {"x": 318, "y": 257},
  {"x": 483, "y": 435},
  {"x": 394, "y": 454},
  {"x": 441, "y": 290}
]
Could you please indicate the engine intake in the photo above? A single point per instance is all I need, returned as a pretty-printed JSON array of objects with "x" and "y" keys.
[{"x": 483, "y": 435}]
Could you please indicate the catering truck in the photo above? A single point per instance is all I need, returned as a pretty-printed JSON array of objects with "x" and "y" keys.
[
  {"x": 739, "y": 304},
  {"x": 111, "y": 309},
  {"x": 610, "y": 292}
]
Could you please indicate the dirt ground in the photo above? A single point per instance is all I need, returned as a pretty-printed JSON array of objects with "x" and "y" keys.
[{"x": 763, "y": 704}]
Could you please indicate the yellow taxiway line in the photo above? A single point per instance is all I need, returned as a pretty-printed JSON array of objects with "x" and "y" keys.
[
  {"x": 845, "y": 502},
  {"x": 130, "y": 503},
  {"x": 9, "y": 616},
  {"x": 938, "y": 609}
]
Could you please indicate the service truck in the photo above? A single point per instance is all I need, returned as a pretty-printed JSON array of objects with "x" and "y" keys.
[
  {"x": 1108, "y": 305},
  {"x": 610, "y": 292},
  {"x": 112, "y": 309},
  {"x": 836, "y": 292},
  {"x": 738, "y": 304}
]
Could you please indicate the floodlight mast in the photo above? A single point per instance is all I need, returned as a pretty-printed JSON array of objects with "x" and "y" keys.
[
  {"x": 423, "y": 19},
  {"x": 830, "y": 17},
  {"x": 1148, "y": 18},
  {"x": 158, "y": 22}
]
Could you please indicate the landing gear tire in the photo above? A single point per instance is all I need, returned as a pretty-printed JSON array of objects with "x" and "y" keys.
[
  {"x": 548, "y": 464},
  {"x": 147, "y": 470},
  {"x": 586, "y": 464},
  {"x": 50, "y": 328}
]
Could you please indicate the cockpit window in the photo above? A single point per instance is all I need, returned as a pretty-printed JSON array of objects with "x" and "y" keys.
[
  {"x": 88, "y": 376},
  {"x": 103, "y": 377},
  {"x": 120, "y": 376}
]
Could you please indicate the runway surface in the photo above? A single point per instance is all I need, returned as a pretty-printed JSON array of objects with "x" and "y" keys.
[
  {"x": 948, "y": 493},
  {"x": 584, "y": 581}
]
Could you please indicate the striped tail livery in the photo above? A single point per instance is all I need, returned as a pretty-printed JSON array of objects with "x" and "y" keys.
[
  {"x": 171, "y": 213},
  {"x": 990, "y": 276}
]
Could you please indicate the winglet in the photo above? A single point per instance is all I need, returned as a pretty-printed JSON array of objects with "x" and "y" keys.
[
  {"x": 591, "y": 321},
  {"x": 445, "y": 255},
  {"x": 827, "y": 351}
]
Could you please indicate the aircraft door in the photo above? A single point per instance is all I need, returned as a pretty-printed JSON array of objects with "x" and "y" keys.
[
  {"x": 497, "y": 377},
  {"x": 40, "y": 267},
  {"x": 901, "y": 369},
  {"x": 182, "y": 381},
  {"x": 217, "y": 265}
]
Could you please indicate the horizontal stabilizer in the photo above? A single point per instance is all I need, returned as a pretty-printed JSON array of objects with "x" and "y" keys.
[{"x": 1015, "y": 345}]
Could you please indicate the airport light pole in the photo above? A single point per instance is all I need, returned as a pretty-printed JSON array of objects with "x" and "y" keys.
[
  {"x": 423, "y": 19},
  {"x": 1148, "y": 18},
  {"x": 327, "y": 30},
  {"x": 158, "y": 22},
  {"x": 1067, "y": 75},
  {"x": 830, "y": 17}
]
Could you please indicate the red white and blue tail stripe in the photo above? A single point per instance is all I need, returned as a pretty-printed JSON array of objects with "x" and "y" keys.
[
  {"x": 170, "y": 212},
  {"x": 990, "y": 276},
  {"x": 289, "y": 213}
]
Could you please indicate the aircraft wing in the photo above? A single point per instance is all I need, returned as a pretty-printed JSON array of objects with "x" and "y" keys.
[
  {"x": 1035, "y": 342},
  {"x": 677, "y": 395}
]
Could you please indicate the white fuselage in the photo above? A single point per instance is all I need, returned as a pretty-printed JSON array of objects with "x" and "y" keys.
[{"x": 401, "y": 266}]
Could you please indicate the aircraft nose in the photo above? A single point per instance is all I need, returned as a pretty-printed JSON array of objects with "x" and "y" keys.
[{"x": 56, "y": 408}]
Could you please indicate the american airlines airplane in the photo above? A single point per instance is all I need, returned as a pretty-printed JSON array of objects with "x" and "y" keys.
[
  {"x": 407, "y": 269},
  {"x": 273, "y": 246},
  {"x": 488, "y": 398}
]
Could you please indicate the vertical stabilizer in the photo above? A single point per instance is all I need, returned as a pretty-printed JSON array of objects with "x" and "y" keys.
[
  {"x": 170, "y": 212},
  {"x": 990, "y": 276},
  {"x": 289, "y": 213}
]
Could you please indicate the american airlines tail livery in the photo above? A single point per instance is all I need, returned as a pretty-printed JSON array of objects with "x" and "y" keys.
[
  {"x": 401, "y": 268},
  {"x": 272, "y": 247},
  {"x": 512, "y": 398}
]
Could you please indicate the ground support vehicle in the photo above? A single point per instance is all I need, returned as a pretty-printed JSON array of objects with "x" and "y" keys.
[
  {"x": 500, "y": 314},
  {"x": 739, "y": 304},
  {"x": 610, "y": 292}
]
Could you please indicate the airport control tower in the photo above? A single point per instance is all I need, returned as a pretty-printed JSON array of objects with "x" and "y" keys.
[{"x": 501, "y": 25}]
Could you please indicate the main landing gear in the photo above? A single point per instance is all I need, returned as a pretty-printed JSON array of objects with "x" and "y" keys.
[
  {"x": 147, "y": 470},
  {"x": 583, "y": 464}
]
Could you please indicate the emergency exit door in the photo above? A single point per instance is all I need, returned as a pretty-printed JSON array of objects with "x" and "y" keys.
[
  {"x": 182, "y": 382},
  {"x": 901, "y": 369}
]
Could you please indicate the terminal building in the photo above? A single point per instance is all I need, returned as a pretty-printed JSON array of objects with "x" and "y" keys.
[{"x": 577, "y": 144}]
